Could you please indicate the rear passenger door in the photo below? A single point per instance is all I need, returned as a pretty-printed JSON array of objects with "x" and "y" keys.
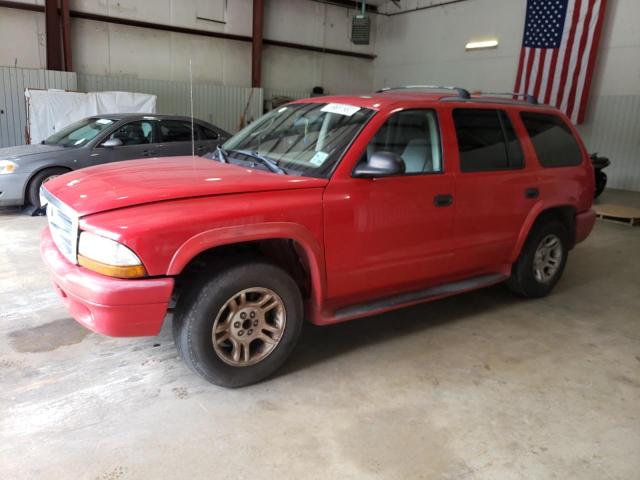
[
  {"x": 495, "y": 190},
  {"x": 175, "y": 138}
]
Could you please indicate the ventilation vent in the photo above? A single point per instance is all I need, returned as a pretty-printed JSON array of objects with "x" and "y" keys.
[{"x": 360, "y": 30}]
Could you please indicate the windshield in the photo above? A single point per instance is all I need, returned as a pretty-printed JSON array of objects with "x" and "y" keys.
[
  {"x": 79, "y": 133},
  {"x": 303, "y": 139}
]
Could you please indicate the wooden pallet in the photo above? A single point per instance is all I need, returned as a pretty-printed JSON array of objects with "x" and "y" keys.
[{"x": 618, "y": 214}]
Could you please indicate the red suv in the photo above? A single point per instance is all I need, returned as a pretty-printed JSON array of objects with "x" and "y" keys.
[{"x": 326, "y": 209}]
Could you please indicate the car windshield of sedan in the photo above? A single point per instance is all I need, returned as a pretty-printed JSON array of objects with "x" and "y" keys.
[
  {"x": 302, "y": 139},
  {"x": 79, "y": 133}
]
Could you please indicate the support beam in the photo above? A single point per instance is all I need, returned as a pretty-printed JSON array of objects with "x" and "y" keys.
[
  {"x": 350, "y": 4},
  {"x": 66, "y": 36},
  {"x": 52, "y": 26},
  {"x": 256, "y": 44}
]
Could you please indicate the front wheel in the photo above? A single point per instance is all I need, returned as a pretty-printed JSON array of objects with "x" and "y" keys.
[
  {"x": 240, "y": 325},
  {"x": 33, "y": 192},
  {"x": 541, "y": 261}
]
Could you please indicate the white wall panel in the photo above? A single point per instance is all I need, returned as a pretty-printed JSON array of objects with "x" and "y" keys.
[
  {"x": 613, "y": 130},
  {"x": 107, "y": 49}
]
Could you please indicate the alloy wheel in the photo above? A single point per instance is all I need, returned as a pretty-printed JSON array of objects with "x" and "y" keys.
[
  {"x": 547, "y": 258},
  {"x": 249, "y": 326}
]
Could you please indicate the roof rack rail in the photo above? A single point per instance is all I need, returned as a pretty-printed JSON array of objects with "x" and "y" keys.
[
  {"x": 527, "y": 97},
  {"x": 462, "y": 93}
]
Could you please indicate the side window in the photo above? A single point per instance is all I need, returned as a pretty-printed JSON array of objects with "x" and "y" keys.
[
  {"x": 135, "y": 133},
  {"x": 175, "y": 131},
  {"x": 414, "y": 136},
  {"x": 486, "y": 140},
  {"x": 207, "y": 133},
  {"x": 554, "y": 143}
]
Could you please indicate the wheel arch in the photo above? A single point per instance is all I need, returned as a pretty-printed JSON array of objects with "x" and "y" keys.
[
  {"x": 33, "y": 174},
  {"x": 564, "y": 213},
  {"x": 282, "y": 243}
]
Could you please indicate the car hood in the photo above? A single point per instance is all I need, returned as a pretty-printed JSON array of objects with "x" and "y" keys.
[
  {"x": 124, "y": 184},
  {"x": 21, "y": 151}
]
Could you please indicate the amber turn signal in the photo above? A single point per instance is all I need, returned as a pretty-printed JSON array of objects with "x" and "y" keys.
[{"x": 133, "y": 271}]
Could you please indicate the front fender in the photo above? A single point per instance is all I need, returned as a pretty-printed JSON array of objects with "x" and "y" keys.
[{"x": 260, "y": 231}]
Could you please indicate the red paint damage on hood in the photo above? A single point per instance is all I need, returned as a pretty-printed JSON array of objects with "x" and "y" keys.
[{"x": 124, "y": 184}]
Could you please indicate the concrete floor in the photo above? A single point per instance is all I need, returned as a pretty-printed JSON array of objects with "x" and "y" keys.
[{"x": 481, "y": 386}]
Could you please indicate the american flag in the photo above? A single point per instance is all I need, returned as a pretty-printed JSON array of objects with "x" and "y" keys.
[{"x": 558, "y": 55}]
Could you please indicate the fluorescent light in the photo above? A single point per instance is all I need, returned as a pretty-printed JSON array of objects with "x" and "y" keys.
[{"x": 482, "y": 44}]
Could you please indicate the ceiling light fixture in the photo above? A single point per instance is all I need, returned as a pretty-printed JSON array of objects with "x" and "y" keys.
[{"x": 480, "y": 45}]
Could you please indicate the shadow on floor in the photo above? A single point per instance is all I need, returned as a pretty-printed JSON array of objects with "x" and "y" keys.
[{"x": 318, "y": 344}]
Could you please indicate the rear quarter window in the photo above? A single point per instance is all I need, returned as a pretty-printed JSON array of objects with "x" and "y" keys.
[{"x": 552, "y": 140}]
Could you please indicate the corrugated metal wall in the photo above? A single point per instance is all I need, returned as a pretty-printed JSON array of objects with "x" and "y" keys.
[
  {"x": 613, "y": 130},
  {"x": 269, "y": 93},
  {"x": 13, "y": 110},
  {"x": 218, "y": 104}
]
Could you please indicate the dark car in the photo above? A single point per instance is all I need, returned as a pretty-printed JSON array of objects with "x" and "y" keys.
[{"x": 97, "y": 140}]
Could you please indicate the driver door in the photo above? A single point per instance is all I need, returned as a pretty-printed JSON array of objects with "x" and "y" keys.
[
  {"x": 138, "y": 141},
  {"x": 389, "y": 235}
]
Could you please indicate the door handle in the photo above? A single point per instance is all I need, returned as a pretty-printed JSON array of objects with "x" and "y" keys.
[
  {"x": 443, "y": 200},
  {"x": 532, "y": 192}
]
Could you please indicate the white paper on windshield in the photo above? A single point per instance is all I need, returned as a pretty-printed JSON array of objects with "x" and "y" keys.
[
  {"x": 340, "y": 109},
  {"x": 318, "y": 159}
]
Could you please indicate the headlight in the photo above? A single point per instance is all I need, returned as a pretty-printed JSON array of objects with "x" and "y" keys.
[
  {"x": 7, "y": 166},
  {"x": 108, "y": 257}
]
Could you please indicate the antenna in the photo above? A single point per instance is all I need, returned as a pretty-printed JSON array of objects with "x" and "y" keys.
[{"x": 193, "y": 133}]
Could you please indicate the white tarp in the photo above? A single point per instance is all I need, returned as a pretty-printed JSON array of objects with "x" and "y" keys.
[{"x": 51, "y": 110}]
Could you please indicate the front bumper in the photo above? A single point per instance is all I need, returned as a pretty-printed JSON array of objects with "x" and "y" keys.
[
  {"x": 110, "y": 306},
  {"x": 584, "y": 224},
  {"x": 12, "y": 188}
]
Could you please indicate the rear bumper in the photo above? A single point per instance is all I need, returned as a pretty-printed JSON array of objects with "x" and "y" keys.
[
  {"x": 110, "y": 306},
  {"x": 584, "y": 224}
]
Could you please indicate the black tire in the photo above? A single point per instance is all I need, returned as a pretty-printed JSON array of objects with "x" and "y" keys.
[
  {"x": 33, "y": 191},
  {"x": 601, "y": 183},
  {"x": 198, "y": 307},
  {"x": 523, "y": 280}
]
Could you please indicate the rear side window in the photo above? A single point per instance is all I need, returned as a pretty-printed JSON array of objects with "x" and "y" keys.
[
  {"x": 207, "y": 133},
  {"x": 175, "y": 131},
  {"x": 486, "y": 140},
  {"x": 554, "y": 143}
]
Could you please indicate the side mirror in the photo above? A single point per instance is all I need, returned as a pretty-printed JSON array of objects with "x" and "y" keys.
[
  {"x": 381, "y": 164},
  {"x": 112, "y": 143}
]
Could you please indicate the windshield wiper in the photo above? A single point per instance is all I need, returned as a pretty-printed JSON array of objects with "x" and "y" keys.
[
  {"x": 222, "y": 155},
  {"x": 267, "y": 162}
]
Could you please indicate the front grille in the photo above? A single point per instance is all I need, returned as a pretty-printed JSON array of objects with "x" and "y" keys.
[{"x": 63, "y": 224}]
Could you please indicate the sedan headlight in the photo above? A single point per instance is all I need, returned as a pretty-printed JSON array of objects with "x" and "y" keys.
[
  {"x": 108, "y": 257},
  {"x": 7, "y": 166}
]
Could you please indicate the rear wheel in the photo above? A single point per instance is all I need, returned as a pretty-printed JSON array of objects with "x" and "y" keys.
[
  {"x": 541, "y": 261},
  {"x": 40, "y": 178},
  {"x": 238, "y": 326}
]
